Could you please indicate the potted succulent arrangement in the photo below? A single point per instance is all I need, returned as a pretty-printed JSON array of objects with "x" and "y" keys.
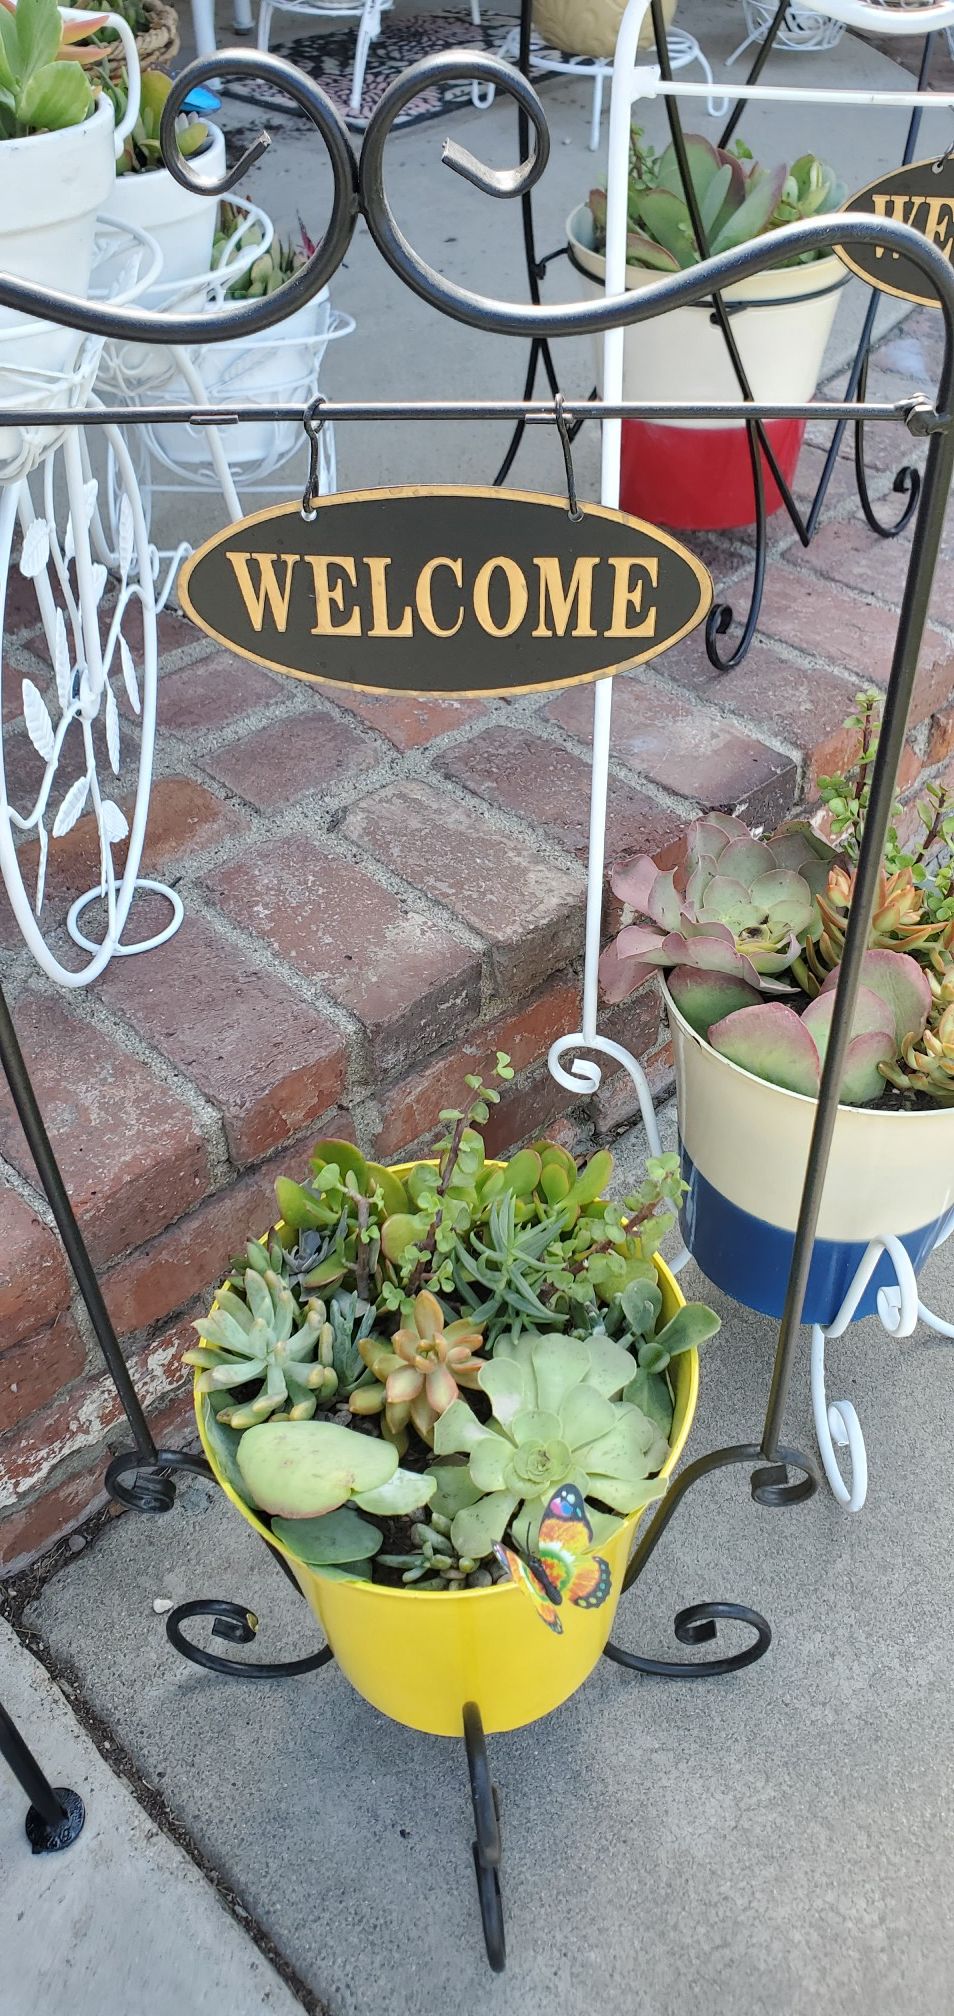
[
  {"x": 698, "y": 475},
  {"x": 182, "y": 222},
  {"x": 445, "y": 1392},
  {"x": 58, "y": 146},
  {"x": 748, "y": 936}
]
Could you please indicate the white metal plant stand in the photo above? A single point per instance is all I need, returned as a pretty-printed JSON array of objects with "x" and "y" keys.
[
  {"x": 96, "y": 653},
  {"x": 899, "y": 1308},
  {"x": 803, "y": 29},
  {"x": 283, "y": 367}
]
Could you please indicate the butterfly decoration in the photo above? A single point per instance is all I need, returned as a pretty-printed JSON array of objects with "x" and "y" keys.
[{"x": 563, "y": 1567}]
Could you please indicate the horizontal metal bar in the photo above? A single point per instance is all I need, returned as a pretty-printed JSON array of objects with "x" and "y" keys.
[
  {"x": 533, "y": 411},
  {"x": 647, "y": 83}
]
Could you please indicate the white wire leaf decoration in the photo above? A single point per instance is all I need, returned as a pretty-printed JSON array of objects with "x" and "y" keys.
[
  {"x": 44, "y": 840},
  {"x": 112, "y": 730},
  {"x": 36, "y": 549},
  {"x": 130, "y": 681},
  {"x": 71, "y": 808},
  {"x": 100, "y": 578},
  {"x": 90, "y": 493},
  {"x": 38, "y": 724},
  {"x": 62, "y": 664},
  {"x": 112, "y": 822},
  {"x": 125, "y": 536}
]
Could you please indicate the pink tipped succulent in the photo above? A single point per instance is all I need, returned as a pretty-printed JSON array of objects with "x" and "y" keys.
[
  {"x": 768, "y": 1038},
  {"x": 738, "y": 908}
]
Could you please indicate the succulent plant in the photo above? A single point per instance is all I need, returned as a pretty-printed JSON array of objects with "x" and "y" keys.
[
  {"x": 926, "y": 1062},
  {"x": 271, "y": 269},
  {"x": 774, "y": 1042},
  {"x": 901, "y": 922},
  {"x": 737, "y": 908},
  {"x": 499, "y": 1273},
  {"x": 142, "y": 150},
  {"x": 435, "y": 1562},
  {"x": 269, "y": 1339},
  {"x": 420, "y": 1374},
  {"x": 632, "y": 1318},
  {"x": 43, "y": 61},
  {"x": 738, "y": 200},
  {"x": 346, "y": 1204},
  {"x": 303, "y": 1469},
  {"x": 555, "y": 1421}
]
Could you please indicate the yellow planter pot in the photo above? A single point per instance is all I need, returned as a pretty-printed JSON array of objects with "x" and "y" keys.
[{"x": 419, "y": 1655}]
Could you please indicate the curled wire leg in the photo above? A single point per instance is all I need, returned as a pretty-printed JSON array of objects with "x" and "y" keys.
[
  {"x": 721, "y": 615},
  {"x": 488, "y": 1847},
  {"x": 239, "y": 1627},
  {"x": 907, "y": 482},
  {"x": 144, "y": 1485},
  {"x": 771, "y": 1486},
  {"x": 836, "y": 1422}
]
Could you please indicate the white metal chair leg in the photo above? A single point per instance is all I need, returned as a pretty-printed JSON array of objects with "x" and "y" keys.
[
  {"x": 369, "y": 28},
  {"x": 597, "y": 117},
  {"x": 263, "y": 31},
  {"x": 203, "y": 27},
  {"x": 242, "y": 16}
]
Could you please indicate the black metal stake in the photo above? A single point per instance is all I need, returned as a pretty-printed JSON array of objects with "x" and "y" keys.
[{"x": 57, "y": 1815}]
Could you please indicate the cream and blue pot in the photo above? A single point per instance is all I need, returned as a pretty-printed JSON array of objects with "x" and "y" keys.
[{"x": 744, "y": 1147}]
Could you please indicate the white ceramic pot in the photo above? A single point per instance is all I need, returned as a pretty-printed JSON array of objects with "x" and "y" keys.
[
  {"x": 697, "y": 474},
  {"x": 51, "y": 187},
  {"x": 278, "y": 365},
  {"x": 183, "y": 224},
  {"x": 744, "y": 1146},
  {"x": 782, "y": 330}
]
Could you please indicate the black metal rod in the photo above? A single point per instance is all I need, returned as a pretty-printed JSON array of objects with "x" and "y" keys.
[
  {"x": 48, "y": 1170},
  {"x": 755, "y": 73},
  {"x": 539, "y": 348},
  {"x": 533, "y": 411},
  {"x": 914, "y": 609},
  {"x": 855, "y": 383},
  {"x": 33, "y": 1782}
]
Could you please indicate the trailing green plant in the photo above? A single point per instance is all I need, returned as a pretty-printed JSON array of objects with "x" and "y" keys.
[
  {"x": 557, "y": 1418},
  {"x": 143, "y": 150},
  {"x": 738, "y": 907},
  {"x": 738, "y": 200},
  {"x": 43, "y": 63}
]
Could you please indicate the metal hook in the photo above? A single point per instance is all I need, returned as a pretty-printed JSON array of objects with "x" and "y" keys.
[
  {"x": 559, "y": 414},
  {"x": 943, "y": 160},
  {"x": 313, "y": 421}
]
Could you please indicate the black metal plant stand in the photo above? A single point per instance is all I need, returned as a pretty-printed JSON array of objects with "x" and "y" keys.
[
  {"x": 56, "y": 1815},
  {"x": 143, "y": 1478},
  {"x": 907, "y": 481}
]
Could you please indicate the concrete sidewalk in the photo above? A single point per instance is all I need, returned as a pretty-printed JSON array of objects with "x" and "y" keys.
[{"x": 121, "y": 1923}]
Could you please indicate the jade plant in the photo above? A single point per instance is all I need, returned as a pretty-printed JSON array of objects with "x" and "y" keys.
[
  {"x": 43, "y": 64},
  {"x": 494, "y": 1327},
  {"x": 738, "y": 200}
]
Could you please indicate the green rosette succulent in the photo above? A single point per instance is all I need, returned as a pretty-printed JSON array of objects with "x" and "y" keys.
[{"x": 555, "y": 1420}]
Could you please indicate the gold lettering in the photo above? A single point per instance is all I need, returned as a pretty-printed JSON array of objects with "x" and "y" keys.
[
  {"x": 425, "y": 586},
  {"x": 329, "y": 595},
  {"x": 561, "y": 599},
  {"x": 380, "y": 615},
  {"x": 896, "y": 209},
  {"x": 936, "y": 222},
  {"x": 517, "y": 588},
  {"x": 268, "y": 589},
  {"x": 628, "y": 594}
]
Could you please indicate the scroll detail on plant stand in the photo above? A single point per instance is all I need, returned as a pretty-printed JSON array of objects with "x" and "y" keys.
[{"x": 769, "y": 1462}]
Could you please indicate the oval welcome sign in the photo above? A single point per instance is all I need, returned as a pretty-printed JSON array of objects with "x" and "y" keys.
[
  {"x": 445, "y": 591},
  {"x": 921, "y": 195}
]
